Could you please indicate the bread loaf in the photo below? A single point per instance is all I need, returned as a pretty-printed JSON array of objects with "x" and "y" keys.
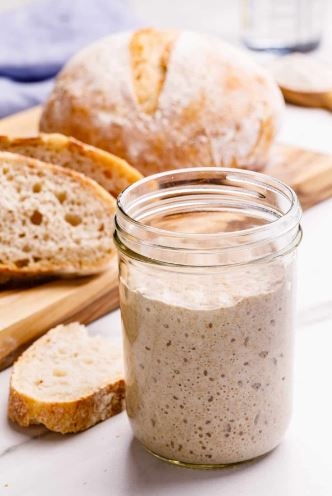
[
  {"x": 111, "y": 172},
  {"x": 54, "y": 221},
  {"x": 67, "y": 381},
  {"x": 166, "y": 99}
]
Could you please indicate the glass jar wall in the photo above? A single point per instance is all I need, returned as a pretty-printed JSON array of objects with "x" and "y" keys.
[{"x": 207, "y": 297}]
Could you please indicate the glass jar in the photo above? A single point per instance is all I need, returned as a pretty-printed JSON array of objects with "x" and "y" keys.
[
  {"x": 283, "y": 26},
  {"x": 206, "y": 260}
]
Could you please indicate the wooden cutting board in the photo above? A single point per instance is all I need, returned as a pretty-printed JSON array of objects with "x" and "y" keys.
[{"x": 27, "y": 313}]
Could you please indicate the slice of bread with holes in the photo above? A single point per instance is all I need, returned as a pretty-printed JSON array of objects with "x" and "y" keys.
[
  {"x": 54, "y": 221},
  {"x": 67, "y": 380},
  {"x": 111, "y": 172}
]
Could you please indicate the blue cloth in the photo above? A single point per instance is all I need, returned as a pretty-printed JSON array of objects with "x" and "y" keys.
[{"x": 37, "y": 39}]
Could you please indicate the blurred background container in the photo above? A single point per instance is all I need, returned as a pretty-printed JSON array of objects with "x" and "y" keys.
[
  {"x": 283, "y": 26},
  {"x": 259, "y": 23}
]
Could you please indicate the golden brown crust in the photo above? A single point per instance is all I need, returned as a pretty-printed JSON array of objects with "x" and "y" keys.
[
  {"x": 71, "y": 416},
  {"x": 11, "y": 275},
  {"x": 111, "y": 172}
]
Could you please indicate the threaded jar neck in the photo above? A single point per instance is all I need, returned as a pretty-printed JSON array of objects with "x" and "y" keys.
[{"x": 207, "y": 217}]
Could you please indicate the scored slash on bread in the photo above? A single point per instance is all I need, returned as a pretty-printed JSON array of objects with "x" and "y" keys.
[
  {"x": 111, "y": 172},
  {"x": 150, "y": 52},
  {"x": 54, "y": 221},
  {"x": 67, "y": 381}
]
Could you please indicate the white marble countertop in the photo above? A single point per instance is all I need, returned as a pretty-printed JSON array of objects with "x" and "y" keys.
[{"x": 106, "y": 460}]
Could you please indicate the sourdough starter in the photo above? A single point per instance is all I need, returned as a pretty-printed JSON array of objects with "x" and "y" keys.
[{"x": 209, "y": 376}]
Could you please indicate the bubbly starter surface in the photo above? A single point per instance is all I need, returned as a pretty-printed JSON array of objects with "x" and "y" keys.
[{"x": 209, "y": 375}]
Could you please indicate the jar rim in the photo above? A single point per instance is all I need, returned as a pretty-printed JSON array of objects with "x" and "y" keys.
[{"x": 127, "y": 223}]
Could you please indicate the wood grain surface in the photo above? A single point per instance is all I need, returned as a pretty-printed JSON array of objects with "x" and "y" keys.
[
  {"x": 27, "y": 313},
  {"x": 313, "y": 99}
]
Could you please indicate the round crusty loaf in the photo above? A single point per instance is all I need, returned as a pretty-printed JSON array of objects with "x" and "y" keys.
[
  {"x": 67, "y": 381},
  {"x": 166, "y": 99},
  {"x": 54, "y": 221}
]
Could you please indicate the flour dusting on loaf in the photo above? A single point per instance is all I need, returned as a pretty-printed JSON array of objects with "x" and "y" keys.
[{"x": 215, "y": 106}]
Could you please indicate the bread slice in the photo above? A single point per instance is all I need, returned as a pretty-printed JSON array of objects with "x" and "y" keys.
[
  {"x": 67, "y": 381},
  {"x": 53, "y": 221},
  {"x": 111, "y": 172}
]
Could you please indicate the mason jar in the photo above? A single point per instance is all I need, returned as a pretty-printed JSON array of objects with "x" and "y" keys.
[
  {"x": 206, "y": 259},
  {"x": 283, "y": 26}
]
